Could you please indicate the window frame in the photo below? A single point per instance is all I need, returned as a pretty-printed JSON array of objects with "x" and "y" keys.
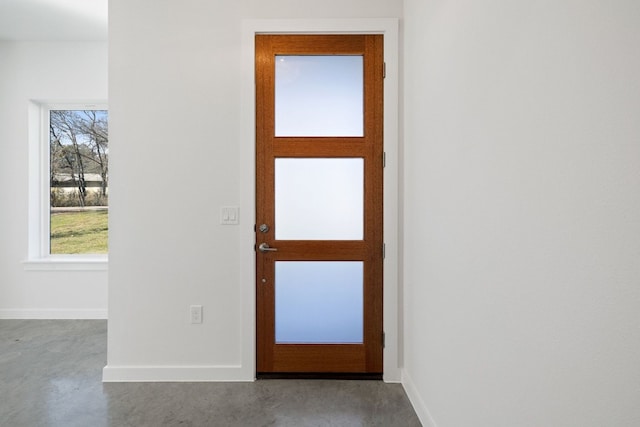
[{"x": 38, "y": 251}]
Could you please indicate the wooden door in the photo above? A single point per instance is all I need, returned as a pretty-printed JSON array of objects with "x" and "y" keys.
[{"x": 319, "y": 189}]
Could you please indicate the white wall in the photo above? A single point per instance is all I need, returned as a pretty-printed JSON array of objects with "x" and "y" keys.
[
  {"x": 522, "y": 251},
  {"x": 55, "y": 72},
  {"x": 175, "y": 95}
]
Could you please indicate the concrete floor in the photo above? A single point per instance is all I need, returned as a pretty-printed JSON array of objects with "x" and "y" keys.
[{"x": 50, "y": 375}]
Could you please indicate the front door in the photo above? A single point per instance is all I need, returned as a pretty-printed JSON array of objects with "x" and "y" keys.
[{"x": 319, "y": 241}]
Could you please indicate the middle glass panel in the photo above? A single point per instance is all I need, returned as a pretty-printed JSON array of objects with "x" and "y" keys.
[{"x": 319, "y": 199}]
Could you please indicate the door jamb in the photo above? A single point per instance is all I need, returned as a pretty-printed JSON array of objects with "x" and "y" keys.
[{"x": 392, "y": 304}]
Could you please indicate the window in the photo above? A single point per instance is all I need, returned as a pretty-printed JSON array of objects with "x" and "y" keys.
[{"x": 69, "y": 186}]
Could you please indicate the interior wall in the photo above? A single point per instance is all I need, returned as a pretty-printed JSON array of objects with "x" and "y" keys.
[
  {"x": 175, "y": 75},
  {"x": 522, "y": 248},
  {"x": 62, "y": 71}
]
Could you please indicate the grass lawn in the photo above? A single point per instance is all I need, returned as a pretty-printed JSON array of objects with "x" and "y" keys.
[{"x": 83, "y": 232}]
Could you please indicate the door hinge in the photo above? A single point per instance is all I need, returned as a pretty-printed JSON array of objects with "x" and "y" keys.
[
  {"x": 384, "y": 341},
  {"x": 384, "y": 70},
  {"x": 384, "y": 250},
  {"x": 384, "y": 159}
]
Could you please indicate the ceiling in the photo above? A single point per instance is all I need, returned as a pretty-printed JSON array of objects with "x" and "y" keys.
[{"x": 53, "y": 20}]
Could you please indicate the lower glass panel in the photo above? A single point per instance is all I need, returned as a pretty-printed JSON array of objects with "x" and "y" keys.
[{"x": 319, "y": 302}]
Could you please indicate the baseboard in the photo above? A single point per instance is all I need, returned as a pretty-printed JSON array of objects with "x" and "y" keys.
[
  {"x": 53, "y": 313},
  {"x": 416, "y": 400},
  {"x": 233, "y": 373}
]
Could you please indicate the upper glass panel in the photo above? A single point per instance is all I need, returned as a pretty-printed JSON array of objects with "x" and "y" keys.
[
  {"x": 319, "y": 199},
  {"x": 319, "y": 95}
]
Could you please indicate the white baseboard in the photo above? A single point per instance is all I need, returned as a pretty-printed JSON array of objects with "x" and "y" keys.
[
  {"x": 416, "y": 400},
  {"x": 176, "y": 374},
  {"x": 53, "y": 313}
]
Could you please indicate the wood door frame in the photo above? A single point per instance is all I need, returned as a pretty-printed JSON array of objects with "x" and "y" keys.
[{"x": 392, "y": 307}]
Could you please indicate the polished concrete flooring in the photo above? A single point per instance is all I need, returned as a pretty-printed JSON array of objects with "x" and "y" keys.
[{"x": 50, "y": 375}]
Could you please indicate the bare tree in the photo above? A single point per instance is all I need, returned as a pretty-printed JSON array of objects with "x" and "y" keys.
[
  {"x": 96, "y": 129},
  {"x": 64, "y": 127}
]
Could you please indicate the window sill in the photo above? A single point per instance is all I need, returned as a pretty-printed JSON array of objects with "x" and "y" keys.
[{"x": 70, "y": 263}]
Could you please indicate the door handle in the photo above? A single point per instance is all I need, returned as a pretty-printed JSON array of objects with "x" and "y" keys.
[{"x": 265, "y": 248}]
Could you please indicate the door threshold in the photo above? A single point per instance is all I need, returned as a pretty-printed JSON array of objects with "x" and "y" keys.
[{"x": 318, "y": 376}]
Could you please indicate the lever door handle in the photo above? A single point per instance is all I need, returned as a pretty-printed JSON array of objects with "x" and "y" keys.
[{"x": 265, "y": 248}]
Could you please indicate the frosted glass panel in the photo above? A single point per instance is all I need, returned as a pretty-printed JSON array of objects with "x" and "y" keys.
[
  {"x": 319, "y": 199},
  {"x": 319, "y": 96},
  {"x": 319, "y": 302}
]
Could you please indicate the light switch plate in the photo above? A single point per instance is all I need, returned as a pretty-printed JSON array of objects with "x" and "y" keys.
[
  {"x": 229, "y": 215},
  {"x": 195, "y": 312}
]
